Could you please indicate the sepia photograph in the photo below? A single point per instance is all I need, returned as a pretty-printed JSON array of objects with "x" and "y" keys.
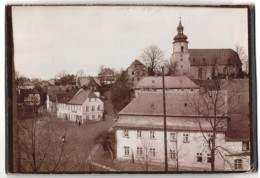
[{"x": 130, "y": 89}]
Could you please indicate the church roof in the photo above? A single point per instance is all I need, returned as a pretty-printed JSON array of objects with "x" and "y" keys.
[
  {"x": 170, "y": 82},
  {"x": 211, "y": 57}
]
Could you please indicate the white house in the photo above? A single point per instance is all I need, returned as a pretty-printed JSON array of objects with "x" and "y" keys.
[
  {"x": 172, "y": 84},
  {"x": 84, "y": 106},
  {"x": 139, "y": 134}
]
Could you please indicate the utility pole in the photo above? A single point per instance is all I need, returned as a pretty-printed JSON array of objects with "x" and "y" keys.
[{"x": 164, "y": 121}]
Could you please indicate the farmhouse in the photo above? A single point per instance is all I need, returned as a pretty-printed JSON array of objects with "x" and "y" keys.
[{"x": 139, "y": 133}]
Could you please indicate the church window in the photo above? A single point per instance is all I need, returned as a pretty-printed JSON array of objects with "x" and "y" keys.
[{"x": 182, "y": 49}]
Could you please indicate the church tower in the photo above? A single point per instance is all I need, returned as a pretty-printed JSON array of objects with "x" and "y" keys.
[{"x": 180, "y": 55}]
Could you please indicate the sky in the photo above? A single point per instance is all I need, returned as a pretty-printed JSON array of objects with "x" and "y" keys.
[{"x": 51, "y": 39}]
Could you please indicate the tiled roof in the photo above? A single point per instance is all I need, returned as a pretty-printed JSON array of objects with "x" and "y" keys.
[
  {"x": 178, "y": 104},
  {"x": 65, "y": 97},
  {"x": 203, "y": 57},
  {"x": 170, "y": 82},
  {"x": 81, "y": 97},
  {"x": 85, "y": 80}
]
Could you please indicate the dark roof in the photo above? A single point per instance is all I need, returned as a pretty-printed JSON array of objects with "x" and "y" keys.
[
  {"x": 81, "y": 97},
  {"x": 213, "y": 57},
  {"x": 238, "y": 128},
  {"x": 65, "y": 97},
  {"x": 180, "y": 37},
  {"x": 170, "y": 82}
]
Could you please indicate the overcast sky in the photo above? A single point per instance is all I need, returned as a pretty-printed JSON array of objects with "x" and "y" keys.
[{"x": 48, "y": 40}]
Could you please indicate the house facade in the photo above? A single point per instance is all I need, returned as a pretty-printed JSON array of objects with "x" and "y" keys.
[
  {"x": 107, "y": 76},
  {"x": 135, "y": 72},
  {"x": 29, "y": 97},
  {"x": 90, "y": 83},
  {"x": 139, "y": 134},
  {"x": 84, "y": 106},
  {"x": 203, "y": 64}
]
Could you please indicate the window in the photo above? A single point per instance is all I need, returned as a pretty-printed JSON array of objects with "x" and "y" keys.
[
  {"x": 152, "y": 134},
  {"x": 186, "y": 138},
  {"x": 152, "y": 152},
  {"x": 199, "y": 157},
  {"x": 245, "y": 146},
  {"x": 193, "y": 59},
  {"x": 172, "y": 136},
  {"x": 126, "y": 151},
  {"x": 138, "y": 79},
  {"x": 238, "y": 164},
  {"x": 133, "y": 79},
  {"x": 182, "y": 49},
  {"x": 133, "y": 73},
  {"x": 185, "y": 104},
  {"x": 99, "y": 116},
  {"x": 181, "y": 59},
  {"x": 172, "y": 154},
  {"x": 208, "y": 158},
  {"x": 93, "y": 116},
  {"x": 181, "y": 66},
  {"x": 204, "y": 60},
  {"x": 87, "y": 117},
  {"x": 87, "y": 108},
  {"x": 139, "y": 151},
  {"x": 98, "y": 108},
  {"x": 139, "y": 133},
  {"x": 93, "y": 108},
  {"x": 126, "y": 133}
]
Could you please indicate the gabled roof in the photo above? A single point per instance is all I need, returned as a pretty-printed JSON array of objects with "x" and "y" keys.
[
  {"x": 214, "y": 57},
  {"x": 27, "y": 83},
  {"x": 65, "y": 97},
  {"x": 176, "y": 82},
  {"x": 177, "y": 104},
  {"x": 106, "y": 71},
  {"x": 86, "y": 80},
  {"x": 81, "y": 97}
]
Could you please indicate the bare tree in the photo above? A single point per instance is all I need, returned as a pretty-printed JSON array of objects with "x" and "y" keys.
[
  {"x": 145, "y": 154},
  {"x": 61, "y": 74},
  {"x": 80, "y": 73},
  {"x": 152, "y": 57},
  {"x": 242, "y": 56},
  {"x": 19, "y": 80},
  {"x": 213, "y": 107}
]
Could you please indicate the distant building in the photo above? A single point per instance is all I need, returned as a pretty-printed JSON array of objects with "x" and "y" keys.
[
  {"x": 29, "y": 97},
  {"x": 176, "y": 84},
  {"x": 139, "y": 132},
  {"x": 52, "y": 81},
  {"x": 90, "y": 83},
  {"x": 135, "y": 72},
  {"x": 203, "y": 64},
  {"x": 26, "y": 85},
  {"x": 107, "y": 76},
  {"x": 84, "y": 106}
]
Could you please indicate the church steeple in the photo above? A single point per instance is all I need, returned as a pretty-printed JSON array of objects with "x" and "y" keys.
[{"x": 180, "y": 37}]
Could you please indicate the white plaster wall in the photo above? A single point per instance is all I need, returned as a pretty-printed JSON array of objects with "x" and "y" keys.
[{"x": 187, "y": 151}]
